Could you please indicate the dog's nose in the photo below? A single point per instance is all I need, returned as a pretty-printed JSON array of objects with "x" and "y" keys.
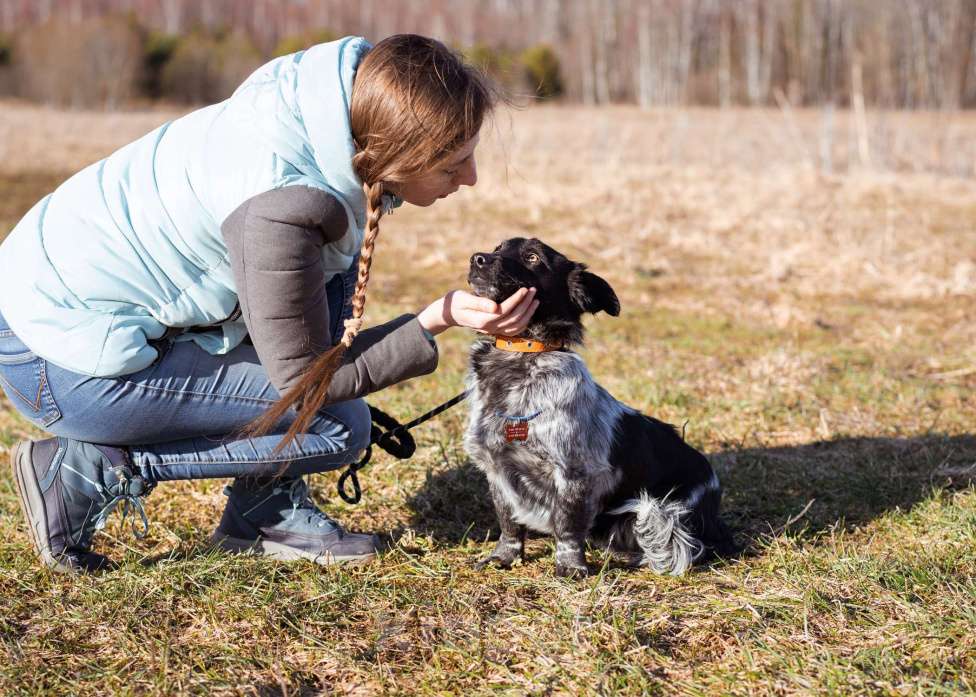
[{"x": 479, "y": 260}]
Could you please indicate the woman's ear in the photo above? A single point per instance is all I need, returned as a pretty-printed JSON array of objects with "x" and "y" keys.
[{"x": 591, "y": 293}]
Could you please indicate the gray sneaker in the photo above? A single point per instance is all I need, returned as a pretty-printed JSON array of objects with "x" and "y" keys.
[
  {"x": 276, "y": 518},
  {"x": 67, "y": 490}
]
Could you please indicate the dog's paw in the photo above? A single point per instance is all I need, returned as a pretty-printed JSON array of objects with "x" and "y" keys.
[
  {"x": 567, "y": 571},
  {"x": 495, "y": 561},
  {"x": 505, "y": 553}
]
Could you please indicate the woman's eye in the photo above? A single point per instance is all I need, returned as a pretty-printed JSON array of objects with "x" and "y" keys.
[
  {"x": 451, "y": 172},
  {"x": 532, "y": 258}
]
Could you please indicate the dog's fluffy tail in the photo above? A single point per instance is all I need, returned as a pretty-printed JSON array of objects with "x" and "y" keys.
[{"x": 658, "y": 527}]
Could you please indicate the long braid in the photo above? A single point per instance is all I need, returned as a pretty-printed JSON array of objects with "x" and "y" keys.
[
  {"x": 309, "y": 394},
  {"x": 374, "y": 211}
]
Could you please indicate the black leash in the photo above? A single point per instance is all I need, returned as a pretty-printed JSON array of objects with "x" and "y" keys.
[{"x": 396, "y": 440}]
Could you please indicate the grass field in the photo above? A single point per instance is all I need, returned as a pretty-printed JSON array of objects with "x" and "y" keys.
[{"x": 813, "y": 328}]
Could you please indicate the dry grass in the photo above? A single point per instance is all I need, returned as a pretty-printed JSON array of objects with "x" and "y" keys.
[{"x": 815, "y": 331}]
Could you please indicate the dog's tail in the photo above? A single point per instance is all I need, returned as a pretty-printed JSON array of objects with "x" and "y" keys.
[{"x": 659, "y": 528}]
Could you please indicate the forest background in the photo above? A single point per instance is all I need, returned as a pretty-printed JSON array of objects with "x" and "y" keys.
[{"x": 906, "y": 54}]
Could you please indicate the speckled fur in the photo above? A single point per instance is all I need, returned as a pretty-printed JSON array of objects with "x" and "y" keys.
[{"x": 591, "y": 468}]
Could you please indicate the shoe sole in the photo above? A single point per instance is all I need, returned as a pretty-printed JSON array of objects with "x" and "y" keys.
[
  {"x": 280, "y": 552},
  {"x": 32, "y": 504}
]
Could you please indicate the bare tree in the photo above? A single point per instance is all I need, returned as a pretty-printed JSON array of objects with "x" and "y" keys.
[
  {"x": 725, "y": 57},
  {"x": 749, "y": 16},
  {"x": 644, "y": 73},
  {"x": 173, "y": 15},
  {"x": 603, "y": 36}
]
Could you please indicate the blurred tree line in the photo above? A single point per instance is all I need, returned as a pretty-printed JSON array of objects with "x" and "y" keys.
[
  {"x": 111, "y": 60},
  {"x": 885, "y": 53}
]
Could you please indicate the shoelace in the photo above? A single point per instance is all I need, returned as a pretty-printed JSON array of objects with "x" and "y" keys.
[
  {"x": 129, "y": 502},
  {"x": 298, "y": 492},
  {"x": 128, "y": 492}
]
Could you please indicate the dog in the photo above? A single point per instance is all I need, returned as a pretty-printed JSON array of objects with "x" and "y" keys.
[{"x": 561, "y": 455}]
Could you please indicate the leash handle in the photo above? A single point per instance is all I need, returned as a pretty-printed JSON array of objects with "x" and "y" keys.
[{"x": 350, "y": 475}]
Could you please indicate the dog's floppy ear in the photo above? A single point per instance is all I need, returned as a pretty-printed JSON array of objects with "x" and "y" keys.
[{"x": 591, "y": 293}]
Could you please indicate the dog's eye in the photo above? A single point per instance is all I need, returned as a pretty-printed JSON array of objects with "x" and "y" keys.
[{"x": 532, "y": 258}]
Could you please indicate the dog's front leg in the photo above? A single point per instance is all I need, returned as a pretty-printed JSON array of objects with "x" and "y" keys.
[
  {"x": 511, "y": 544},
  {"x": 572, "y": 519}
]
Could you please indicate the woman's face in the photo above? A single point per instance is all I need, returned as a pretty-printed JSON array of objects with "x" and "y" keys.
[{"x": 456, "y": 171}]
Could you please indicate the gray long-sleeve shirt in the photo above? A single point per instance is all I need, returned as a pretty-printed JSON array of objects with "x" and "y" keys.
[{"x": 274, "y": 241}]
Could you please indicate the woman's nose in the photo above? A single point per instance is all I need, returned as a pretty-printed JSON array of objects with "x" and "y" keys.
[{"x": 468, "y": 173}]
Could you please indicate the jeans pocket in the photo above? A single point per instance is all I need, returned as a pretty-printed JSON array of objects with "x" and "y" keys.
[{"x": 23, "y": 377}]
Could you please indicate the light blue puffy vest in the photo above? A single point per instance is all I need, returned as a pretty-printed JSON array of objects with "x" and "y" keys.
[{"x": 132, "y": 245}]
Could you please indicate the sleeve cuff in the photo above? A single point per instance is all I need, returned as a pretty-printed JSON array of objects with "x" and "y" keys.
[{"x": 415, "y": 325}]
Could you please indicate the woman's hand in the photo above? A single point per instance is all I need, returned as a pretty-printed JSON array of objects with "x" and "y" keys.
[{"x": 462, "y": 309}]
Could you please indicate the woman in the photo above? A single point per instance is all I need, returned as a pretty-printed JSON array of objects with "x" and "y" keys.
[{"x": 127, "y": 294}]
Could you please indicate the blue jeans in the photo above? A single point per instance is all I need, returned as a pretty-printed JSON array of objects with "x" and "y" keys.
[{"x": 181, "y": 417}]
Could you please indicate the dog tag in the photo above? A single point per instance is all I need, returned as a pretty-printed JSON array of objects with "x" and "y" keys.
[{"x": 518, "y": 430}]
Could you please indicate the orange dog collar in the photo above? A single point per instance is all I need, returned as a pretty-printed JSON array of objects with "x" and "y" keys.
[{"x": 519, "y": 345}]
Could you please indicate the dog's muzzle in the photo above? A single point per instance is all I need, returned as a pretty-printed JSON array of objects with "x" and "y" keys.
[{"x": 480, "y": 276}]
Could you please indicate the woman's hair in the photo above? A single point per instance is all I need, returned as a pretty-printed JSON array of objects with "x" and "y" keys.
[{"x": 414, "y": 103}]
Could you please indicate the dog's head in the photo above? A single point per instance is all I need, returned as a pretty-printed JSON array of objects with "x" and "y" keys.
[{"x": 564, "y": 288}]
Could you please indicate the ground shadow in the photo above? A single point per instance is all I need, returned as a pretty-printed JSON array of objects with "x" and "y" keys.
[
  {"x": 846, "y": 481},
  {"x": 454, "y": 505}
]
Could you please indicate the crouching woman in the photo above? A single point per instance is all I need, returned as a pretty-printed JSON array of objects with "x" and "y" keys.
[{"x": 170, "y": 312}]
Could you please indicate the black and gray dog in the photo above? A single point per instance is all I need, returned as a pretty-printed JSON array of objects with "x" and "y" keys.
[{"x": 564, "y": 457}]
